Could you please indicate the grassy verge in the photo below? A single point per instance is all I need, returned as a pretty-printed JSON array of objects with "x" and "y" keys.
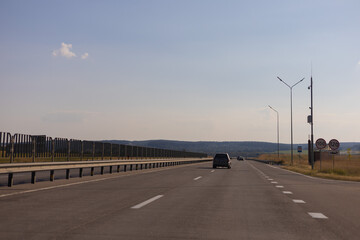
[{"x": 339, "y": 167}]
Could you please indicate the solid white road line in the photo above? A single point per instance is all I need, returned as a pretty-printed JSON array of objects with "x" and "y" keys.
[
  {"x": 298, "y": 201},
  {"x": 315, "y": 178},
  {"x": 140, "y": 205},
  {"x": 278, "y": 186},
  {"x": 197, "y": 178},
  {"x": 287, "y": 192},
  {"x": 274, "y": 182},
  {"x": 317, "y": 215},
  {"x": 58, "y": 186}
]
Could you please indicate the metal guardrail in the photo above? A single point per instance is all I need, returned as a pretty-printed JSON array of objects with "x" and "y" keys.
[
  {"x": 33, "y": 168},
  {"x": 25, "y": 148}
]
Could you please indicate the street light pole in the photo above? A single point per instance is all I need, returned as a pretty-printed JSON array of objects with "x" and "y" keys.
[
  {"x": 278, "y": 141},
  {"x": 291, "y": 87}
]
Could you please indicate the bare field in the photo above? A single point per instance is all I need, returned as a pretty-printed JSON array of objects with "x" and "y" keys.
[{"x": 342, "y": 167}]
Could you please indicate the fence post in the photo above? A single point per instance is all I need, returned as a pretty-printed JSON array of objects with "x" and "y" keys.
[
  {"x": 119, "y": 151},
  {"x": 110, "y": 151},
  {"x": 68, "y": 152},
  {"x": 93, "y": 151},
  {"x": 52, "y": 150},
  {"x": 34, "y": 149},
  {"x": 12, "y": 140},
  {"x": 102, "y": 154},
  {"x": 125, "y": 151},
  {"x": 82, "y": 151}
]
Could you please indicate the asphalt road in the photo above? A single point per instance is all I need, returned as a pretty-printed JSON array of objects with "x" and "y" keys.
[{"x": 250, "y": 201}]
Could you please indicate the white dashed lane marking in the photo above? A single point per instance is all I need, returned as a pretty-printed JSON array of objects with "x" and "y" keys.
[
  {"x": 312, "y": 214},
  {"x": 317, "y": 215},
  {"x": 140, "y": 205},
  {"x": 212, "y": 170},
  {"x": 197, "y": 178}
]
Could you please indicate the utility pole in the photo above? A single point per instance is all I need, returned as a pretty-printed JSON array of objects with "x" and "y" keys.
[{"x": 312, "y": 126}]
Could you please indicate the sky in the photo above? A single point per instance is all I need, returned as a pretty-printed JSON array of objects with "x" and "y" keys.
[{"x": 199, "y": 70}]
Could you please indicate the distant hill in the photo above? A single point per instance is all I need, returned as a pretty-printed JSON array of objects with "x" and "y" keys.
[
  {"x": 211, "y": 148},
  {"x": 245, "y": 148}
]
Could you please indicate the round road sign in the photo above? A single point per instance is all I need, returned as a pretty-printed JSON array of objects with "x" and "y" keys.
[
  {"x": 320, "y": 143},
  {"x": 334, "y": 144}
]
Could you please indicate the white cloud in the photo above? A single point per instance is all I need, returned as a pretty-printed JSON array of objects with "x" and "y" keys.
[
  {"x": 64, "y": 51},
  {"x": 85, "y": 56}
]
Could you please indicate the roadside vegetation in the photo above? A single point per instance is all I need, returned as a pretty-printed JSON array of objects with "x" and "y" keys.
[{"x": 339, "y": 167}]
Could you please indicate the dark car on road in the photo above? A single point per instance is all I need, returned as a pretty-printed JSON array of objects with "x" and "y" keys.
[
  {"x": 222, "y": 160},
  {"x": 240, "y": 158}
]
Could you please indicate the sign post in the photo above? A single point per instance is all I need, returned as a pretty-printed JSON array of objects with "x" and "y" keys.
[
  {"x": 299, "y": 149},
  {"x": 320, "y": 144},
  {"x": 334, "y": 145}
]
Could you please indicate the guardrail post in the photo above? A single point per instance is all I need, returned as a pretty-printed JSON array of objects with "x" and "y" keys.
[
  {"x": 67, "y": 173},
  {"x": 130, "y": 167},
  {"x": 81, "y": 172},
  {"x": 52, "y": 175},
  {"x": 12, "y": 142},
  {"x": 33, "y": 177},
  {"x": 92, "y": 171},
  {"x": 10, "y": 179},
  {"x": 118, "y": 168},
  {"x": 102, "y": 171},
  {"x": 110, "y": 169},
  {"x": 124, "y": 168},
  {"x": 136, "y": 166}
]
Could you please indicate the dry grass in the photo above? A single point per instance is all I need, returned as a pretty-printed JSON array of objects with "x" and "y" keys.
[{"x": 341, "y": 167}]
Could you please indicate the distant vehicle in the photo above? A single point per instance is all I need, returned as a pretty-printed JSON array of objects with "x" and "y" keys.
[
  {"x": 240, "y": 158},
  {"x": 222, "y": 160}
]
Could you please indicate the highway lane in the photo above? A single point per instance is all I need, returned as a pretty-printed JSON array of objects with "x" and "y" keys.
[
  {"x": 183, "y": 202},
  {"x": 337, "y": 200}
]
